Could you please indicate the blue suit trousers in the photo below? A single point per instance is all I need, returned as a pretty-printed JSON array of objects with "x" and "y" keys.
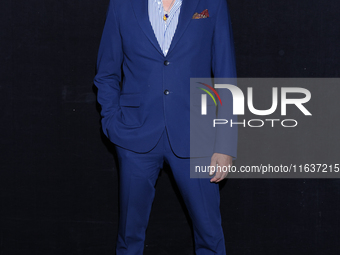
[{"x": 138, "y": 175}]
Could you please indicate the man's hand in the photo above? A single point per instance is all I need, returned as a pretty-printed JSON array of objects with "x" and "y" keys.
[{"x": 223, "y": 161}]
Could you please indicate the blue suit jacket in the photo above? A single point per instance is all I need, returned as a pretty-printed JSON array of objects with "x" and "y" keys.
[{"x": 133, "y": 74}]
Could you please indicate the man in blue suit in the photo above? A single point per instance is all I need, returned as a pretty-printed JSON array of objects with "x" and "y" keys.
[{"x": 148, "y": 52}]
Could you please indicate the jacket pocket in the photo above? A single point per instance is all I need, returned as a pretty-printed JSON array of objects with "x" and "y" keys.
[
  {"x": 130, "y": 107},
  {"x": 132, "y": 100}
]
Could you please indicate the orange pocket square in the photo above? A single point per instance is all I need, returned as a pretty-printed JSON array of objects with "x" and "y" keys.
[{"x": 204, "y": 14}]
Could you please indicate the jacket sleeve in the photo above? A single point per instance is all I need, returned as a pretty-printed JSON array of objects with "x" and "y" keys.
[
  {"x": 109, "y": 62},
  {"x": 224, "y": 67}
]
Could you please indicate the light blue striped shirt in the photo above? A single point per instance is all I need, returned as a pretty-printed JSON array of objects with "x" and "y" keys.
[{"x": 164, "y": 30}]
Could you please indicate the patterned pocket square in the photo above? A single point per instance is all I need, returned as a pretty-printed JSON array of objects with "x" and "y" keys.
[{"x": 204, "y": 14}]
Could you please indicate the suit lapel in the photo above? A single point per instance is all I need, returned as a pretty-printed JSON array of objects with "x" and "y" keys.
[
  {"x": 187, "y": 10},
  {"x": 140, "y": 8}
]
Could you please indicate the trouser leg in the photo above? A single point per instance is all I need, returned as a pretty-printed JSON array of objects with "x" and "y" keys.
[
  {"x": 138, "y": 175},
  {"x": 202, "y": 199}
]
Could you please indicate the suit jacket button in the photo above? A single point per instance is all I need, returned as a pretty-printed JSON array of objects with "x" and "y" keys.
[
  {"x": 166, "y": 92},
  {"x": 166, "y": 62}
]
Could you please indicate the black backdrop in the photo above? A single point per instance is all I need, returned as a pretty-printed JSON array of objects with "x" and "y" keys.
[{"x": 58, "y": 192}]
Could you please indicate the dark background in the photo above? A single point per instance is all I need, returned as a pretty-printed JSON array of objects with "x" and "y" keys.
[{"x": 58, "y": 180}]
